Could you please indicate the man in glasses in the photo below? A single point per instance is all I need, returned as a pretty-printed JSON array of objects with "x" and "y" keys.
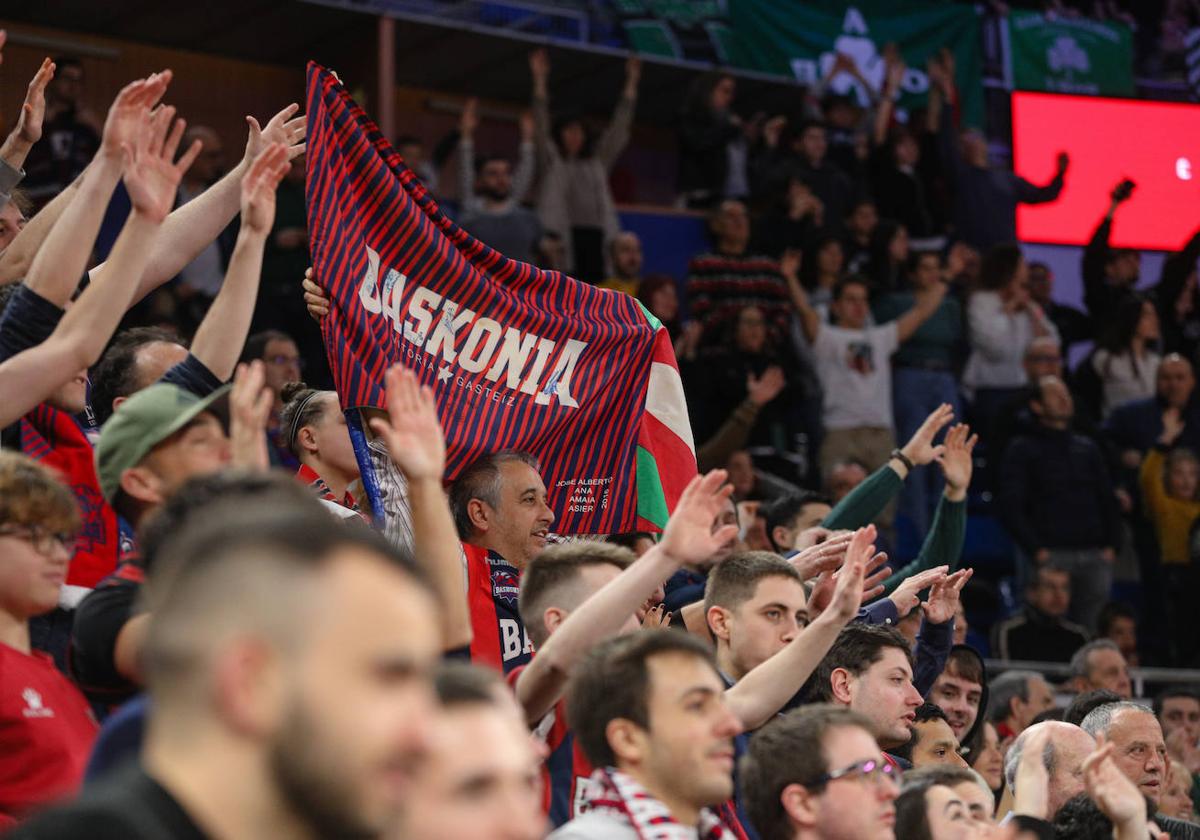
[
  {"x": 48, "y": 730},
  {"x": 818, "y": 774}
]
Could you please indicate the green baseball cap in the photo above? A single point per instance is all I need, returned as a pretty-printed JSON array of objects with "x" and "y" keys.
[{"x": 145, "y": 420}]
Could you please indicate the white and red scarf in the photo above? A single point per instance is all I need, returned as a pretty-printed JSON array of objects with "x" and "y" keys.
[{"x": 618, "y": 796}]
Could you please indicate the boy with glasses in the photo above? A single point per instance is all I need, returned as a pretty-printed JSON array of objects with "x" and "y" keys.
[{"x": 48, "y": 728}]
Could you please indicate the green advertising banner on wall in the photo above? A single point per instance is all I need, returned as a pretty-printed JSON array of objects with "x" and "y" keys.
[
  {"x": 802, "y": 41},
  {"x": 1069, "y": 55}
]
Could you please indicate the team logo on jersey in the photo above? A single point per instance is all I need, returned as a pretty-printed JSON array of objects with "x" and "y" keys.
[
  {"x": 443, "y": 335},
  {"x": 34, "y": 707},
  {"x": 505, "y": 584}
]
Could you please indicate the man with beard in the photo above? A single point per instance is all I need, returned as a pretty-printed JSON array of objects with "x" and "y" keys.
[
  {"x": 288, "y": 664},
  {"x": 490, "y": 192}
]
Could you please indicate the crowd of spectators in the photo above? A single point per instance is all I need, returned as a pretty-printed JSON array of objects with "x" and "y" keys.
[{"x": 206, "y": 631}]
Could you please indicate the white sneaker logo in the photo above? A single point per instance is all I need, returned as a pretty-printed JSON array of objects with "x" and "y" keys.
[{"x": 34, "y": 708}]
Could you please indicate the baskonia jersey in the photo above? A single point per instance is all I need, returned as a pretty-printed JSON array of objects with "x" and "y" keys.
[{"x": 498, "y": 639}]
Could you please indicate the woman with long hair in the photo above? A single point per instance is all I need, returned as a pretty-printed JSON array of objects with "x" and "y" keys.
[{"x": 1126, "y": 360}]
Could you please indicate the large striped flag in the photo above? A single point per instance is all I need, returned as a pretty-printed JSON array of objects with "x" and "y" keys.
[{"x": 583, "y": 378}]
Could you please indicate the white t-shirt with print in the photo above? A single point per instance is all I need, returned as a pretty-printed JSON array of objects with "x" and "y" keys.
[{"x": 856, "y": 375}]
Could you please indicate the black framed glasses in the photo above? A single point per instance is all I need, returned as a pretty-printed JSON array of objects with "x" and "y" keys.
[
  {"x": 869, "y": 770},
  {"x": 42, "y": 540}
]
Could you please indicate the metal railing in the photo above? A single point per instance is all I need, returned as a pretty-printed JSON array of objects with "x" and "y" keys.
[{"x": 1061, "y": 670}]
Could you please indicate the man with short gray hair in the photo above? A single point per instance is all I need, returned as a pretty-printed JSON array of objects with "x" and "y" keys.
[
  {"x": 1100, "y": 664},
  {"x": 1016, "y": 698},
  {"x": 1141, "y": 753},
  {"x": 1066, "y": 748}
]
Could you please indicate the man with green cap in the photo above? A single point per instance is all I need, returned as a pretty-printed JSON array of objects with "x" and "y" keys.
[{"x": 154, "y": 442}]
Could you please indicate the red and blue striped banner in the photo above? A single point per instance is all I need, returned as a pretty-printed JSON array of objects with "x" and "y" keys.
[{"x": 581, "y": 377}]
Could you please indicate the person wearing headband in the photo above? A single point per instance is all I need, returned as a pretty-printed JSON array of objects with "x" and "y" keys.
[{"x": 314, "y": 429}]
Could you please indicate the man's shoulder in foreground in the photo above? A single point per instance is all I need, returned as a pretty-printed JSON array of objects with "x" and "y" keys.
[{"x": 128, "y": 805}]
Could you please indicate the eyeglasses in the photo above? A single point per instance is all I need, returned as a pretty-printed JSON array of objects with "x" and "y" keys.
[
  {"x": 870, "y": 770},
  {"x": 285, "y": 360},
  {"x": 43, "y": 541}
]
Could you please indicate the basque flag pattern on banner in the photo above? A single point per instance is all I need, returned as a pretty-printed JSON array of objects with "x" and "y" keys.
[{"x": 518, "y": 358}]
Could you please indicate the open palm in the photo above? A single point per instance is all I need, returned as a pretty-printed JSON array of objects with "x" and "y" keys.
[
  {"x": 412, "y": 431},
  {"x": 150, "y": 176},
  {"x": 128, "y": 113},
  {"x": 284, "y": 127},
  {"x": 689, "y": 537}
]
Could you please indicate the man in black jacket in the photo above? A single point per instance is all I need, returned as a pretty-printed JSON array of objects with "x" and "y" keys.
[
  {"x": 1057, "y": 500},
  {"x": 1041, "y": 631}
]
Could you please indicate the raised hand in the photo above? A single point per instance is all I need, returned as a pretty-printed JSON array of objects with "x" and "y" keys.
[
  {"x": 1061, "y": 162},
  {"x": 876, "y": 572},
  {"x": 821, "y": 557},
  {"x": 920, "y": 449},
  {"x": 33, "y": 111},
  {"x": 688, "y": 537},
  {"x": 1116, "y": 796},
  {"x": 789, "y": 263},
  {"x": 539, "y": 64},
  {"x": 127, "y": 114},
  {"x": 1031, "y": 788},
  {"x": 633, "y": 72},
  {"x": 906, "y": 596},
  {"x": 468, "y": 121},
  {"x": 943, "y": 597},
  {"x": 848, "y": 593},
  {"x": 1172, "y": 423},
  {"x": 762, "y": 389},
  {"x": 956, "y": 461},
  {"x": 412, "y": 431},
  {"x": 315, "y": 298},
  {"x": 151, "y": 178},
  {"x": 526, "y": 125},
  {"x": 284, "y": 127},
  {"x": 250, "y": 403},
  {"x": 258, "y": 188}
]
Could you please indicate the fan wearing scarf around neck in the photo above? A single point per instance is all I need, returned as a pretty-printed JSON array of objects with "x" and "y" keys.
[
  {"x": 649, "y": 710},
  {"x": 316, "y": 433}
]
